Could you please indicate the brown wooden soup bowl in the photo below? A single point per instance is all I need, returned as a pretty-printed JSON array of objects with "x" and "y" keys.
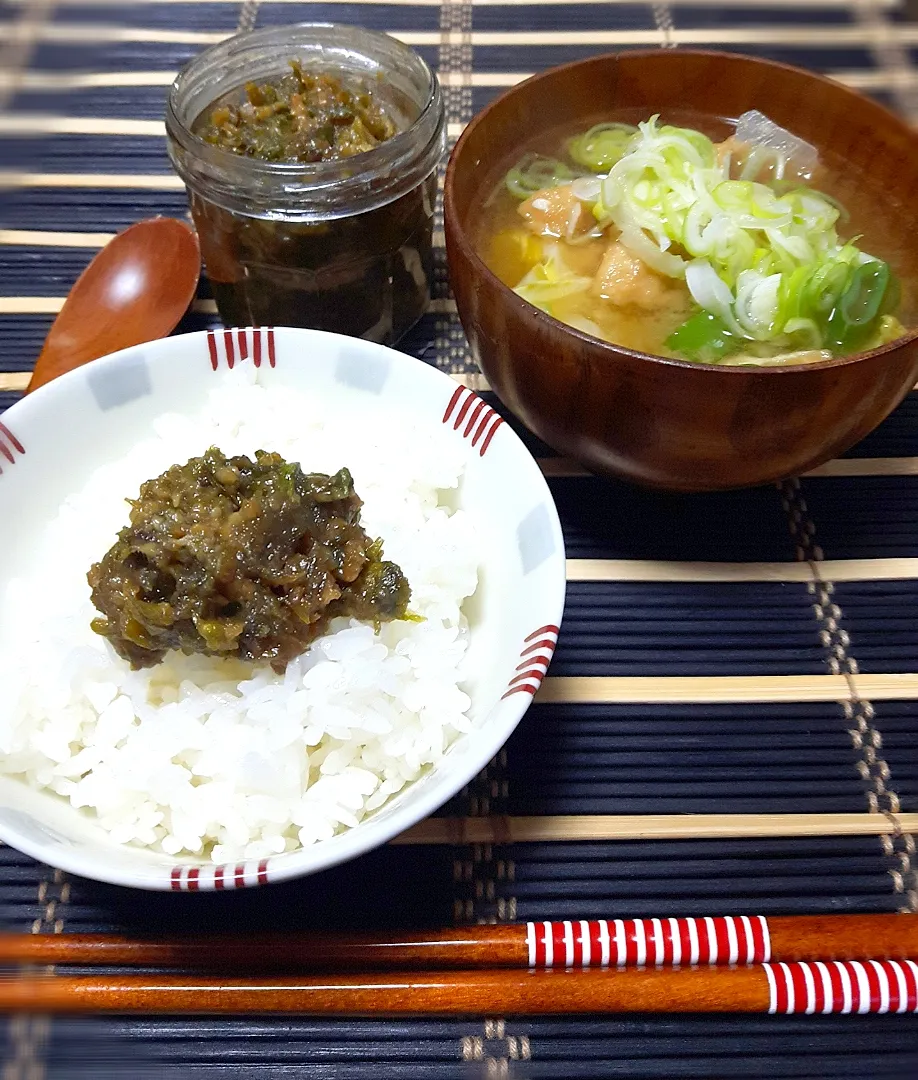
[{"x": 666, "y": 423}]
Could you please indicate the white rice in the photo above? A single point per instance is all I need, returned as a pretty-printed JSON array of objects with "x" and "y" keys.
[{"x": 218, "y": 758}]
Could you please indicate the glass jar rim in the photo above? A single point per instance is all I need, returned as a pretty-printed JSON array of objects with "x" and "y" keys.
[{"x": 408, "y": 148}]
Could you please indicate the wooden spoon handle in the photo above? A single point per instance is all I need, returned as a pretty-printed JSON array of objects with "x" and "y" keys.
[
  {"x": 52, "y": 361},
  {"x": 136, "y": 289}
]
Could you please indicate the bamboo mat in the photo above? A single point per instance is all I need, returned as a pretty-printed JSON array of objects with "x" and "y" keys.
[{"x": 730, "y": 725}]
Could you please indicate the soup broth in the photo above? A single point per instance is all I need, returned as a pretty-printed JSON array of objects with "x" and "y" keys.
[{"x": 702, "y": 281}]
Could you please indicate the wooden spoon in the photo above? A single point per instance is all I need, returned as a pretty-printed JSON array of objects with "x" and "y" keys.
[{"x": 136, "y": 289}]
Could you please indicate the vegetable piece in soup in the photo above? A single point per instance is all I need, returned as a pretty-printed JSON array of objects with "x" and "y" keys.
[
  {"x": 234, "y": 557},
  {"x": 659, "y": 239}
]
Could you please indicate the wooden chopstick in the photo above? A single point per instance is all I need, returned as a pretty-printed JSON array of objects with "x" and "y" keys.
[
  {"x": 852, "y": 986},
  {"x": 575, "y": 943}
]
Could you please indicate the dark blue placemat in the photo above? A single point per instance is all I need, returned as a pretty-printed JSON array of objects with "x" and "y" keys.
[{"x": 643, "y": 603}]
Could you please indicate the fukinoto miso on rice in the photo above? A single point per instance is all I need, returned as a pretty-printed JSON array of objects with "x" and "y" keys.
[{"x": 224, "y": 757}]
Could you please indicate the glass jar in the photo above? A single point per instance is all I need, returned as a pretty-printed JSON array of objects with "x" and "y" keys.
[{"x": 341, "y": 245}]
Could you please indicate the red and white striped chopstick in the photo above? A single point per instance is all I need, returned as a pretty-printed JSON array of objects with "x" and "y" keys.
[
  {"x": 887, "y": 986},
  {"x": 620, "y": 943},
  {"x": 851, "y": 986},
  {"x": 573, "y": 943}
]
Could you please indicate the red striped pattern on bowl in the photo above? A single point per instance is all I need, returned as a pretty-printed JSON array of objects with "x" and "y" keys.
[
  {"x": 230, "y": 347},
  {"x": 238, "y": 876}
]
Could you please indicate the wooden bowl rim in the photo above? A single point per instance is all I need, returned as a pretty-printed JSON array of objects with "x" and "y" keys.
[{"x": 608, "y": 348}]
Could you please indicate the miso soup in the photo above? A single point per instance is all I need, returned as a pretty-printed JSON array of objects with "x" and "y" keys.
[{"x": 702, "y": 240}]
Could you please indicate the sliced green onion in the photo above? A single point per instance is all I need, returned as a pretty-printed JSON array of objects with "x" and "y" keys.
[
  {"x": 699, "y": 142},
  {"x": 824, "y": 288},
  {"x": 790, "y": 296},
  {"x": 599, "y": 148},
  {"x": 534, "y": 173},
  {"x": 588, "y": 189},
  {"x": 757, "y": 304},
  {"x": 703, "y": 338},
  {"x": 640, "y": 244},
  {"x": 795, "y": 190},
  {"x": 805, "y": 332},
  {"x": 733, "y": 194},
  {"x": 861, "y": 301},
  {"x": 712, "y": 294},
  {"x": 852, "y": 320}
]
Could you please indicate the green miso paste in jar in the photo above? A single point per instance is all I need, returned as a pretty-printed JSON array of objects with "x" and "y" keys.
[
  {"x": 302, "y": 117},
  {"x": 366, "y": 274}
]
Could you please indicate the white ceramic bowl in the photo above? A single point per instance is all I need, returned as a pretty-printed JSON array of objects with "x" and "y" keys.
[{"x": 52, "y": 440}]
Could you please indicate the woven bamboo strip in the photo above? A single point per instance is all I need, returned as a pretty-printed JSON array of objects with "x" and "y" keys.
[
  {"x": 51, "y": 305},
  {"x": 12, "y": 178},
  {"x": 575, "y": 827},
  {"x": 702, "y": 689},
  {"x": 14, "y": 380},
  {"x": 817, "y": 37},
  {"x": 869, "y": 81},
  {"x": 903, "y": 466},
  {"x": 558, "y": 467},
  {"x": 43, "y": 124},
  {"x": 83, "y": 80},
  {"x": 664, "y": 570},
  {"x": 772, "y": 4},
  {"x": 36, "y": 238}
]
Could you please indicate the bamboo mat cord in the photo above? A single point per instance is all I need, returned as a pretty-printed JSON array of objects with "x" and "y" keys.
[
  {"x": 471, "y": 1047},
  {"x": 248, "y": 16},
  {"x": 29, "y": 1034},
  {"x": 859, "y": 713},
  {"x": 476, "y": 874},
  {"x": 900, "y": 849},
  {"x": 473, "y": 870},
  {"x": 835, "y": 640},
  {"x": 454, "y": 67},
  {"x": 16, "y": 52},
  {"x": 493, "y": 864},
  {"x": 891, "y": 56},
  {"x": 476, "y": 800},
  {"x": 663, "y": 17},
  {"x": 896, "y": 61}
]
